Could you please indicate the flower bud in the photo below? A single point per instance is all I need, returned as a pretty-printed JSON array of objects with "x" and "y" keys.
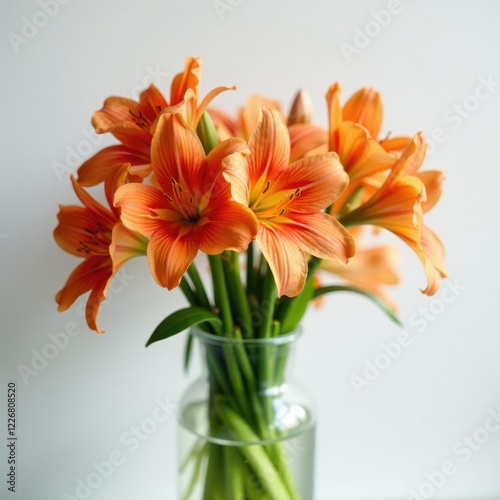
[{"x": 301, "y": 110}]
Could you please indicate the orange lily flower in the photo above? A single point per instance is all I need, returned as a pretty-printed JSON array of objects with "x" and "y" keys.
[
  {"x": 133, "y": 123},
  {"x": 191, "y": 209},
  {"x": 96, "y": 234},
  {"x": 398, "y": 207},
  {"x": 288, "y": 200}
]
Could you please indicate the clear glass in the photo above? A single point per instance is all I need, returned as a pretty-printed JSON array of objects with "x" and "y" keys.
[{"x": 246, "y": 430}]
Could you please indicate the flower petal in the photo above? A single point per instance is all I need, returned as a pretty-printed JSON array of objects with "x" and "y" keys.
[
  {"x": 93, "y": 274},
  {"x": 249, "y": 115},
  {"x": 104, "y": 216},
  {"x": 75, "y": 226},
  {"x": 304, "y": 138},
  {"x": 230, "y": 226},
  {"x": 396, "y": 207},
  {"x": 170, "y": 255},
  {"x": 320, "y": 178},
  {"x": 176, "y": 152},
  {"x": 334, "y": 110},
  {"x": 125, "y": 244},
  {"x": 144, "y": 208},
  {"x": 215, "y": 162},
  {"x": 270, "y": 147},
  {"x": 103, "y": 164},
  {"x": 287, "y": 261},
  {"x": 434, "y": 253},
  {"x": 188, "y": 79},
  {"x": 236, "y": 173},
  {"x": 320, "y": 235},
  {"x": 365, "y": 107},
  {"x": 433, "y": 181},
  {"x": 360, "y": 155}
]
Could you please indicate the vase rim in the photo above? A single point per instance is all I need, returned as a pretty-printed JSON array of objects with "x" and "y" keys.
[{"x": 286, "y": 338}]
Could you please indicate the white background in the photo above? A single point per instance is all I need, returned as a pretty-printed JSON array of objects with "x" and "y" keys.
[{"x": 373, "y": 445}]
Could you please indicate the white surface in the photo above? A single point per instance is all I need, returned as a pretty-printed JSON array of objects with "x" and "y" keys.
[{"x": 375, "y": 445}]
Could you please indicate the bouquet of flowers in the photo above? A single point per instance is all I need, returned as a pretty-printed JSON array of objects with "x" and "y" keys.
[{"x": 278, "y": 204}]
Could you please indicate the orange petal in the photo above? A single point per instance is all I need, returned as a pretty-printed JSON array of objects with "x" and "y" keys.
[
  {"x": 365, "y": 107},
  {"x": 287, "y": 261},
  {"x": 152, "y": 102},
  {"x": 395, "y": 144},
  {"x": 125, "y": 244},
  {"x": 434, "y": 253},
  {"x": 433, "y": 181},
  {"x": 176, "y": 152},
  {"x": 320, "y": 235},
  {"x": 334, "y": 110},
  {"x": 250, "y": 113},
  {"x": 115, "y": 111},
  {"x": 92, "y": 274},
  {"x": 215, "y": 161},
  {"x": 360, "y": 155},
  {"x": 115, "y": 118},
  {"x": 206, "y": 101},
  {"x": 320, "y": 178},
  {"x": 396, "y": 207},
  {"x": 236, "y": 173},
  {"x": 103, "y": 164},
  {"x": 144, "y": 208},
  {"x": 71, "y": 230},
  {"x": 305, "y": 138},
  {"x": 270, "y": 147},
  {"x": 188, "y": 79},
  {"x": 230, "y": 226},
  {"x": 169, "y": 257},
  {"x": 105, "y": 216}
]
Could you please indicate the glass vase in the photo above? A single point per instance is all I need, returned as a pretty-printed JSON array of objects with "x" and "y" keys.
[{"x": 246, "y": 430}]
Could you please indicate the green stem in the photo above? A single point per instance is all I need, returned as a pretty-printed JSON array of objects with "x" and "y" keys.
[
  {"x": 198, "y": 286},
  {"x": 214, "y": 487},
  {"x": 188, "y": 292},
  {"x": 249, "y": 377},
  {"x": 256, "y": 455},
  {"x": 251, "y": 274},
  {"x": 236, "y": 380},
  {"x": 240, "y": 297},
  {"x": 220, "y": 292},
  {"x": 234, "y": 477},
  {"x": 197, "y": 455},
  {"x": 268, "y": 302}
]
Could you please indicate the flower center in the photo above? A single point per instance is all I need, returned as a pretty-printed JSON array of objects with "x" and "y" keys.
[
  {"x": 183, "y": 202},
  {"x": 144, "y": 116},
  {"x": 97, "y": 242},
  {"x": 268, "y": 203}
]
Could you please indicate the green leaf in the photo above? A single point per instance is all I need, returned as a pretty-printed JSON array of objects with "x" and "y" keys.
[
  {"x": 339, "y": 288},
  {"x": 291, "y": 312},
  {"x": 181, "y": 320}
]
